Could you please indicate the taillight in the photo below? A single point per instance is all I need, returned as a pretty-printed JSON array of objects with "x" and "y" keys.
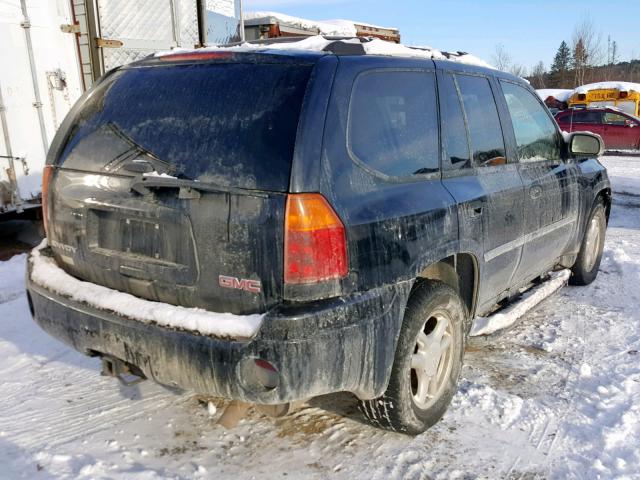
[
  {"x": 582, "y": 97},
  {"x": 315, "y": 245},
  {"x": 47, "y": 173},
  {"x": 623, "y": 94}
]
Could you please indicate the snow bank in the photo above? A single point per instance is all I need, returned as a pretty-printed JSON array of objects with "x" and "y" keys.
[
  {"x": 624, "y": 173},
  {"x": 508, "y": 316},
  {"x": 47, "y": 274},
  {"x": 11, "y": 278},
  {"x": 560, "y": 94},
  {"x": 622, "y": 86}
]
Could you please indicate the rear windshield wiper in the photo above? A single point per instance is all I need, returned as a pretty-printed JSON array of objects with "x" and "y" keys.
[{"x": 188, "y": 189}]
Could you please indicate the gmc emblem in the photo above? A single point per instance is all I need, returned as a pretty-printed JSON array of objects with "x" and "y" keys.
[{"x": 252, "y": 286}]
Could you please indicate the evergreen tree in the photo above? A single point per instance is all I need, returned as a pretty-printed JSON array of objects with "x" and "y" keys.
[{"x": 560, "y": 67}]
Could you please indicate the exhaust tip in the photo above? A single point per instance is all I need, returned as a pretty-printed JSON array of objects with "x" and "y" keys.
[{"x": 258, "y": 375}]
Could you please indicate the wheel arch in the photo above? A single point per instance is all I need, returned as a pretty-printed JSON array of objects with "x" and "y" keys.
[
  {"x": 461, "y": 272},
  {"x": 604, "y": 195}
]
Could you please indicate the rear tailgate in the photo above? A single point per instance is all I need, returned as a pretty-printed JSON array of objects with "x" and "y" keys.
[{"x": 172, "y": 181}]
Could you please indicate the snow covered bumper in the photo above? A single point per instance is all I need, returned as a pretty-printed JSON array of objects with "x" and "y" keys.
[{"x": 343, "y": 344}]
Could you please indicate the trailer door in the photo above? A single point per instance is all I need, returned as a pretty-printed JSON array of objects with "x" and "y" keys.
[{"x": 116, "y": 32}]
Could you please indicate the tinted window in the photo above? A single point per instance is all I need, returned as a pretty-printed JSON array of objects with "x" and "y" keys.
[
  {"x": 455, "y": 144},
  {"x": 229, "y": 124},
  {"x": 536, "y": 134},
  {"x": 487, "y": 143},
  {"x": 393, "y": 123},
  {"x": 583, "y": 116}
]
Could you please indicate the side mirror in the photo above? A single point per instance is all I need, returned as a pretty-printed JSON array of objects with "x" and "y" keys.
[
  {"x": 630, "y": 123},
  {"x": 585, "y": 145}
]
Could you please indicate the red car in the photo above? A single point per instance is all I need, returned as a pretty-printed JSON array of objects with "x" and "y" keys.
[{"x": 619, "y": 130}]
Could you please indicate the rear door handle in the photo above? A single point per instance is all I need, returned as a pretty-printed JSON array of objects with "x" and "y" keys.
[
  {"x": 475, "y": 208},
  {"x": 535, "y": 191}
]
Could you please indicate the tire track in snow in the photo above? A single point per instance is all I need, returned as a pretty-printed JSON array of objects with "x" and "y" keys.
[
  {"x": 78, "y": 403},
  {"x": 543, "y": 436}
]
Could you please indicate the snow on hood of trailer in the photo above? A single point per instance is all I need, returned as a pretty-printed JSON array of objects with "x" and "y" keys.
[
  {"x": 560, "y": 94},
  {"x": 622, "y": 86},
  {"x": 318, "y": 43},
  {"x": 335, "y": 27}
]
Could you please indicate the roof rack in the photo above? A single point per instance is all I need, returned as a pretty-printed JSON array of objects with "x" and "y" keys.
[
  {"x": 337, "y": 46},
  {"x": 340, "y": 45}
]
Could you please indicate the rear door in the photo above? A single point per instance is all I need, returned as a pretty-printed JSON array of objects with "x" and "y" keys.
[
  {"x": 583, "y": 121},
  {"x": 171, "y": 182},
  {"x": 551, "y": 184},
  {"x": 487, "y": 187}
]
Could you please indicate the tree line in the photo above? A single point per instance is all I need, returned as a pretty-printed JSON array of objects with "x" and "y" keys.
[{"x": 586, "y": 58}]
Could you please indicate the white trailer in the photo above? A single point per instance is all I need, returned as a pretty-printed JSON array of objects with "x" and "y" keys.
[{"x": 53, "y": 50}]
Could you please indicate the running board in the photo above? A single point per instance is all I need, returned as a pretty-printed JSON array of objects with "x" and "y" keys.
[{"x": 511, "y": 313}]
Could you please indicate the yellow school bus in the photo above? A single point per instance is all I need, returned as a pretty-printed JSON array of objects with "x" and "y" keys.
[{"x": 623, "y": 95}]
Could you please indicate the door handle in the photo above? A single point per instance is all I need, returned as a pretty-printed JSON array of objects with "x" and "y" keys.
[
  {"x": 475, "y": 209},
  {"x": 535, "y": 191}
]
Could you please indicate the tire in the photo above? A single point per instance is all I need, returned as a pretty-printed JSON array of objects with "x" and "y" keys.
[
  {"x": 585, "y": 270},
  {"x": 433, "y": 308}
]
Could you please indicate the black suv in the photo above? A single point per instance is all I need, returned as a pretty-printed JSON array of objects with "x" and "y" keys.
[{"x": 272, "y": 225}]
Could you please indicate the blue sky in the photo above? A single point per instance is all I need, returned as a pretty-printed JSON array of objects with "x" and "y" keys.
[{"x": 529, "y": 30}]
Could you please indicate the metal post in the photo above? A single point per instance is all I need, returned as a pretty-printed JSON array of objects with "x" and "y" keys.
[
  {"x": 26, "y": 24},
  {"x": 93, "y": 33},
  {"x": 11, "y": 172},
  {"x": 241, "y": 22},
  {"x": 202, "y": 22}
]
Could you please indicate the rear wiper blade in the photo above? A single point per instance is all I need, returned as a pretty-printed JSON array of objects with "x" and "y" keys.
[{"x": 188, "y": 189}]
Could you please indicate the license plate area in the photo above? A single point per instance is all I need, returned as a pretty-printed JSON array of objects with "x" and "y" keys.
[
  {"x": 146, "y": 238},
  {"x": 154, "y": 245}
]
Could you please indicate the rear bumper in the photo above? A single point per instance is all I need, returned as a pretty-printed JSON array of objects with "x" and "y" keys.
[{"x": 344, "y": 344}]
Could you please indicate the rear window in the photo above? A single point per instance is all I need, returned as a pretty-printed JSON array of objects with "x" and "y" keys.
[
  {"x": 583, "y": 116},
  {"x": 228, "y": 124}
]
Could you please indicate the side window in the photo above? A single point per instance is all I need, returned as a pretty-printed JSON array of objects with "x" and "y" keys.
[
  {"x": 536, "y": 134},
  {"x": 485, "y": 132},
  {"x": 611, "y": 118},
  {"x": 585, "y": 116},
  {"x": 393, "y": 122},
  {"x": 455, "y": 144}
]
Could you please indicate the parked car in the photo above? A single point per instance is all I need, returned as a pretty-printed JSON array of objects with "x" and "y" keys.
[
  {"x": 275, "y": 225},
  {"x": 619, "y": 130}
]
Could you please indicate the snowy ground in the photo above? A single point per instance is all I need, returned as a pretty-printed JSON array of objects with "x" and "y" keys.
[{"x": 556, "y": 396}]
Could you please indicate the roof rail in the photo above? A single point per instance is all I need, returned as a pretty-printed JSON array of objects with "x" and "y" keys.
[{"x": 340, "y": 45}]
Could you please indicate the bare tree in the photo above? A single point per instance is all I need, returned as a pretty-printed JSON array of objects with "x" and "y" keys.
[
  {"x": 587, "y": 48},
  {"x": 518, "y": 70},
  {"x": 501, "y": 58},
  {"x": 502, "y": 61},
  {"x": 537, "y": 75}
]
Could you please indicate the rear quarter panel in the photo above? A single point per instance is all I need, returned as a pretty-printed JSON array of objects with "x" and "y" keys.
[{"x": 395, "y": 227}]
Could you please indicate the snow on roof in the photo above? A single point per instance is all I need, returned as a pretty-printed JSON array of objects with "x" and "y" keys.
[
  {"x": 622, "y": 86},
  {"x": 318, "y": 43},
  {"x": 560, "y": 94},
  {"x": 336, "y": 27},
  {"x": 339, "y": 21},
  {"x": 340, "y": 28}
]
